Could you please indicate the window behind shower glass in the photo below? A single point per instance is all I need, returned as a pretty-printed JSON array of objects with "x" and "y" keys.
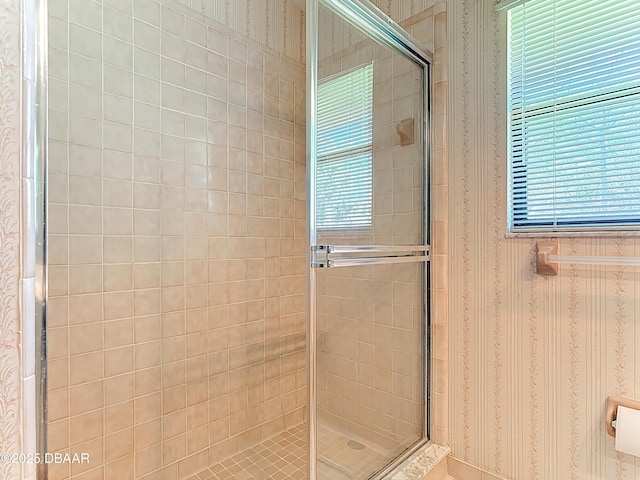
[
  {"x": 574, "y": 115},
  {"x": 345, "y": 137}
]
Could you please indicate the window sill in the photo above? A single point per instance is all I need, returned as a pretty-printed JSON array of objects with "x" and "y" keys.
[{"x": 567, "y": 233}]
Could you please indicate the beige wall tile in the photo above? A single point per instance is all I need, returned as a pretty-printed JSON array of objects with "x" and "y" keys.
[
  {"x": 86, "y": 427},
  {"x": 144, "y": 277},
  {"x": 85, "y": 338},
  {"x": 120, "y": 417}
]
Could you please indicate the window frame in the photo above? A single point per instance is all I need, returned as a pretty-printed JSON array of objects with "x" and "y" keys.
[{"x": 523, "y": 225}]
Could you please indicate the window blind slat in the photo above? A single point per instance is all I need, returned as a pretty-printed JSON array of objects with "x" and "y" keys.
[{"x": 574, "y": 111}]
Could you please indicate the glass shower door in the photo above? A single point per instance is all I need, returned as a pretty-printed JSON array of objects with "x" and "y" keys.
[{"x": 369, "y": 241}]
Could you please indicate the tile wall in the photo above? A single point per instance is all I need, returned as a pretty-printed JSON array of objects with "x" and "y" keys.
[
  {"x": 176, "y": 239},
  {"x": 276, "y": 24}
]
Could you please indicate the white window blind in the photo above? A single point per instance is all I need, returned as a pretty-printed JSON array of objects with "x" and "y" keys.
[
  {"x": 344, "y": 172},
  {"x": 574, "y": 115}
]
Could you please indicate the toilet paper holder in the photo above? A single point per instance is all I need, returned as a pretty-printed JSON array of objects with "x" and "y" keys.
[{"x": 613, "y": 402}]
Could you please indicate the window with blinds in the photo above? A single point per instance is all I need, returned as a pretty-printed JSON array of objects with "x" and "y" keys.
[
  {"x": 574, "y": 115},
  {"x": 344, "y": 146}
]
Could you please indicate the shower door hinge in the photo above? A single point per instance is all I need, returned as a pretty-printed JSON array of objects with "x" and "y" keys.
[{"x": 320, "y": 256}]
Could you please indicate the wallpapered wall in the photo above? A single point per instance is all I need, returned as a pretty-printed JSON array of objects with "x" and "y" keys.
[
  {"x": 532, "y": 358},
  {"x": 10, "y": 78},
  {"x": 402, "y": 10}
]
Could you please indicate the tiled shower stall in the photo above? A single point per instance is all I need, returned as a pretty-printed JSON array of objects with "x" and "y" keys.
[{"x": 177, "y": 247}]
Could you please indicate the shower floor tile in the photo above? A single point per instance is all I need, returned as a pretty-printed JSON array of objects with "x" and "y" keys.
[
  {"x": 284, "y": 457},
  {"x": 281, "y": 457}
]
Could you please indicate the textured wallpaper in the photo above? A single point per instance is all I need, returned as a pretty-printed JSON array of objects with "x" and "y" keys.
[
  {"x": 10, "y": 440},
  {"x": 402, "y": 10},
  {"x": 532, "y": 358}
]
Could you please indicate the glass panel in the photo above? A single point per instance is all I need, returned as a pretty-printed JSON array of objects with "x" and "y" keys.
[
  {"x": 370, "y": 183},
  {"x": 374, "y": 175},
  {"x": 370, "y": 376}
]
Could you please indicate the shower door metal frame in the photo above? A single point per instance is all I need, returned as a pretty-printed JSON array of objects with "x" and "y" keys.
[
  {"x": 373, "y": 22},
  {"x": 35, "y": 149}
]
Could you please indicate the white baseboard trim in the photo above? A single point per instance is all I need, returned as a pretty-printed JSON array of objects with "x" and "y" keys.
[{"x": 460, "y": 470}]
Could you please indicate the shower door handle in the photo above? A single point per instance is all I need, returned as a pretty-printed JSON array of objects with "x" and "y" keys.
[{"x": 328, "y": 256}]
